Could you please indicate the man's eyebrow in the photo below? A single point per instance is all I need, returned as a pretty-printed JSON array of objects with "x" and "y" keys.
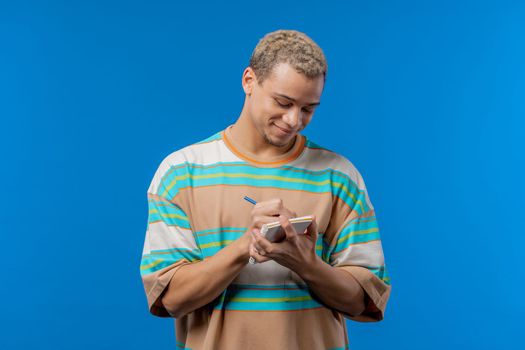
[{"x": 293, "y": 100}]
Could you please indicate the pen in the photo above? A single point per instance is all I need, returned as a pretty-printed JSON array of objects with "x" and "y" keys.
[
  {"x": 252, "y": 260},
  {"x": 250, "y": 200}
]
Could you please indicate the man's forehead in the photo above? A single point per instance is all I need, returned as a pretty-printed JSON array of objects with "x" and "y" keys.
[
  {"x": 313, "y": 102},
  {"x": 286, "y": 82}
]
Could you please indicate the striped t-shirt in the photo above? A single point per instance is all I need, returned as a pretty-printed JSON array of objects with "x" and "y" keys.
[{"x": 196, "y": 208}]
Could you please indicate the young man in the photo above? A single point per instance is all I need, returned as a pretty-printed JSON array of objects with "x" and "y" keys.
[{"x": 201, "y": 233}]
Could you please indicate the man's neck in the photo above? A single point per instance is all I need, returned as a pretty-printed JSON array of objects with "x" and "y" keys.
[{"x": 244, "y": 133}]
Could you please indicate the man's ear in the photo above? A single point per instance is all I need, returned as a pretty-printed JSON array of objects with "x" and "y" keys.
[{"x": 248, "y": 80}]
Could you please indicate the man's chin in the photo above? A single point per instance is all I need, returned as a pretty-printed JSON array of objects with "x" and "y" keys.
[{"x": 279, "y": 142}]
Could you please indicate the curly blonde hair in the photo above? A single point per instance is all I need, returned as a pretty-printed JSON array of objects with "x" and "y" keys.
[{"x": 288, "y": 46}]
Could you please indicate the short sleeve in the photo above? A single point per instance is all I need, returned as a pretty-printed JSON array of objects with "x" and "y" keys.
[
  {"x": 169, "y": 244},
  {"x": 356, "y": 247}
]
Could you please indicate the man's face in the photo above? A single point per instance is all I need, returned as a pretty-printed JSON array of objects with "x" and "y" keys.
[{"x": 283, "y": 104}]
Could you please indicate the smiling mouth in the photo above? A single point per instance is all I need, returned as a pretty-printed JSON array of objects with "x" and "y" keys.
[{"x": 284, "y": 130}]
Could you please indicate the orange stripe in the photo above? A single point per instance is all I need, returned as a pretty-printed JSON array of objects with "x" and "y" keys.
[
  {"x": 158, "y": 198},
  {"x": 278, "y": 162},
  {"x": 276, "y": 188},
  {"x": 365, "y": 221},
  {"x": 215, "y": 232},
  {"x": 353, "y": 244}
]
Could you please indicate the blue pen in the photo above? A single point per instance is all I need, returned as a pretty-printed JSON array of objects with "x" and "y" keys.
[
  {"x": 252, "y": 260},
  {"x": 250, "y": 200}
]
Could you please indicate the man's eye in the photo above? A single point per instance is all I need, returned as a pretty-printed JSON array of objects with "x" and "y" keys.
[
  {"x": 284, "y": 105},
  {"x": 307, "y": 110}
]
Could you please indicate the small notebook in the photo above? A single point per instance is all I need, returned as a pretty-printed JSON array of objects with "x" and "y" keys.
[{"x": 275, "y": 233}]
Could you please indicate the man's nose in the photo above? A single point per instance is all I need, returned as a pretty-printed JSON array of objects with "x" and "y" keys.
[{"x": 293, "y": 118}]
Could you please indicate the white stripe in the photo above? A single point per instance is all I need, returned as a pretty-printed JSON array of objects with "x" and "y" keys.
[
  {"x": 267, "y": 273},
  {"x": 202, "y": 154},
  {"x": 216, "y": 151},
  {"x": 146, "y": 249},
  {"x": 161, "y": 236},
  {"x": 364, "y": 254},
  {"x": 319, "y": 159}
]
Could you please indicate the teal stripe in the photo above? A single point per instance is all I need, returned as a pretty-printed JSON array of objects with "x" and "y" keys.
[
  {"x": 238, "y": 167},
  {"x": 245, "y": 168},
  {"x": 161, "y": 265},
  {"x": 319, "y": 245},
  {"x": 380, "y": 272},
  {"x": 216, "y": 136},
  {"x": 283, "y": 306},
  {"x": 211, "y": 251},
  {"x": 219, "y": 236},
  {"x": 368, "y": 237},
  {"x": 171, "y": 221},
  {"x": 211, "y": 230},
  {"x": 211, "y": 243},
  {"x": 338, "y": 183},
  {"x": 360, "y": 224},
  {"x": 326, "y": 252},
  {"x": 289, "y": 297},
  {"x": 173, "y": 250},
  {"x": 311, "y": 144},
  {"x": 181, "y": 345},
  {"x": 254, "y": 291},
  {"x": 345, "y": 238},
  {"x": 168, "y": 213},
  {"x": 163, "y": 258}
]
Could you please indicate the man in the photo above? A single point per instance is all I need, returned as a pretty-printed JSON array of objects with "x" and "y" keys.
[{"x": 201, "y": 233}]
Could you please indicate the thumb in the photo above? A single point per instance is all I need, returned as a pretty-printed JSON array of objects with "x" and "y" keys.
[{"x": 311, "y": 231}]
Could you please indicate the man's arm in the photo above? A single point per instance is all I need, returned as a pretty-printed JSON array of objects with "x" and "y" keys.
[
  {"x": 195, "y": 285},
  {"x": 336, "y": 288}
]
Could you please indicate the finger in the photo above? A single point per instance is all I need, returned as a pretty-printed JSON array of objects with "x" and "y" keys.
[
  {"x": 261, "y": 220},
  {"x": 287, "y": 213},
  {"x": 312, "y": 229},
  {"x": 268, "y": 211},
  {"x": 258, "y": 248},
  {"x": 291, "y": 235},
  {"x": 265, "y": 245},
  {"x": 269, "y": 208},
  {"x": 255, "y": 254}
]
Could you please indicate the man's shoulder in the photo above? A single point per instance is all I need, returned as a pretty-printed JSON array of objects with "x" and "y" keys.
[
  {"x": 203, "y": 151},
  {"x": 327, "y": 156},
  {"x": 321, "y": 158},
  {"x": 193, "y": 152}
]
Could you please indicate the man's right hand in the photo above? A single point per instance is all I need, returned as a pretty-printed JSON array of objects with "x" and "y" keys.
[
  {"x": 269, "y": 211},
  {"x": 264, "y": 213}
]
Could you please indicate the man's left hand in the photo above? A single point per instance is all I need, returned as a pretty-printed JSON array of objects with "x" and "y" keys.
[{"x": 296, "y": 251}]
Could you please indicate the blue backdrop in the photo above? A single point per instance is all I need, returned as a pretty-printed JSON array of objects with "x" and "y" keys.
[{"x": 427, "y": 100}]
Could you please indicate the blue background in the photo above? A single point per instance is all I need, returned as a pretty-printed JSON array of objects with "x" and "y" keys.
[{"x": 427, "y": 100}]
